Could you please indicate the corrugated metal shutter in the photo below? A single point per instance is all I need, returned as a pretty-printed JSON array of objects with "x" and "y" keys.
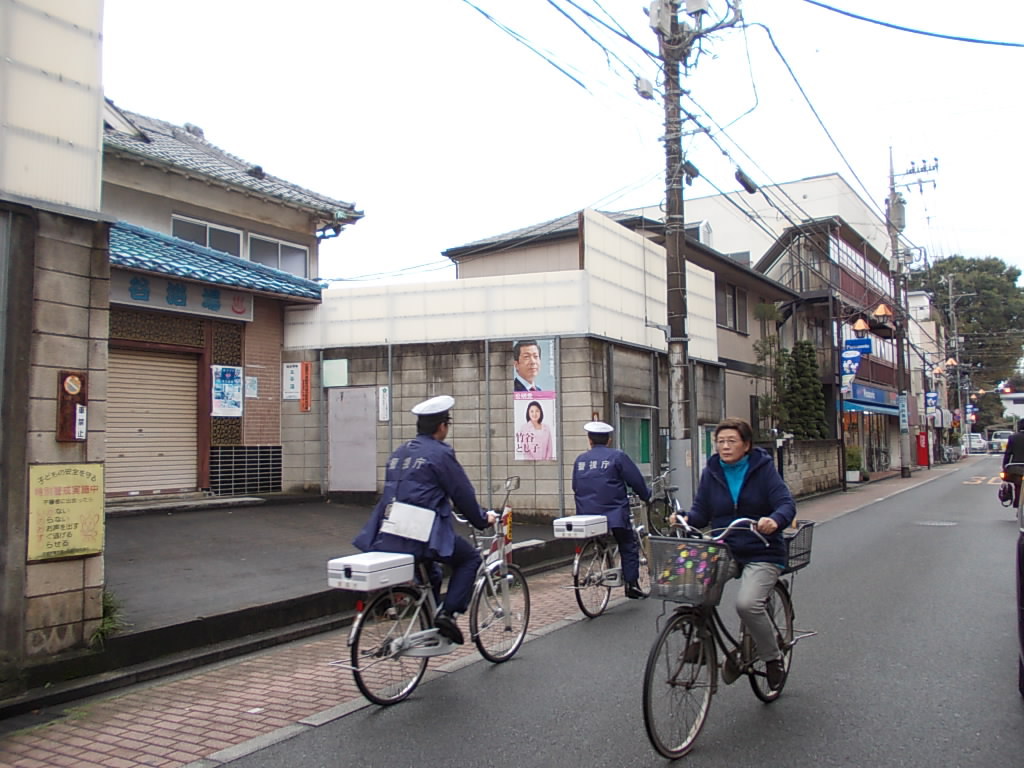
[{"x": 151, "y": 422}]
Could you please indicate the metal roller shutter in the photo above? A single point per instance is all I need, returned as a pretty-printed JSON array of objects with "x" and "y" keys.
[{"x": 151, "y": 423}]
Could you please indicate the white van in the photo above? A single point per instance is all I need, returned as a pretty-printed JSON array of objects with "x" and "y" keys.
[{"x": 974, "y": 443}]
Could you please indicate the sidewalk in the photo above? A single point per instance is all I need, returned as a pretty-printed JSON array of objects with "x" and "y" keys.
[{"x": 226, "y": 560}]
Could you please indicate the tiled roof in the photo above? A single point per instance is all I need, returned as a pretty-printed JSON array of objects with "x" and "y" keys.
[
  {"x": 134, "y": 247},
  {"x": 184, "y": 149}
]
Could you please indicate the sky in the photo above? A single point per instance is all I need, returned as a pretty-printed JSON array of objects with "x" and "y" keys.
[{"x": 443, "y": 128}]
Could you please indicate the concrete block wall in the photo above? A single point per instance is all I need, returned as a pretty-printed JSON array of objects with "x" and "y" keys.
[
  {"x": 301, "y": 459},
  {"x": 479, "y": 375},
  {"x": 811, "y": 466},
  {"x": 70, "y": 316}
]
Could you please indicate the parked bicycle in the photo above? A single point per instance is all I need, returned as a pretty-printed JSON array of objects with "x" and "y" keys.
[
  {"x": 663, "y": 504},
  {"x": 682, "y": 669},
  {"x": 597, "y": 566},
  {"x": 392, "y": 638}
]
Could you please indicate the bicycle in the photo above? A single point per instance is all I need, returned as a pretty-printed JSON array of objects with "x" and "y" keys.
[
  {"x": 663, "y": 504},
  {"x": 392, "y": 638},
  {"x": 681, "y": 674},
  {"x": 597, "y": 567}
]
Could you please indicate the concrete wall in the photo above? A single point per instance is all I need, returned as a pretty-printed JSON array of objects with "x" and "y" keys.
[
  {"x": 811, "y": 466},
  {"x": 62, "y": 605},
  {"x": 478, "y": 374}
]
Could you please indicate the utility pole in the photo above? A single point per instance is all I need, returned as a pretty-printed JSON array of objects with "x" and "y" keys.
[
  {"x": 895, "y": 219},
  {"x": 675, "y": 41}
]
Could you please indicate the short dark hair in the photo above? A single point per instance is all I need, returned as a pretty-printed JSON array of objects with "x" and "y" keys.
[
  {"x": 599, "y": 438},
  {"x": 741, "y": 426},
  {"x": 428, "y": 423},
  {"x": 1020, "y": 425},
  {"x": 533, "y": 403},
  {"x": 520, "y": 344}
]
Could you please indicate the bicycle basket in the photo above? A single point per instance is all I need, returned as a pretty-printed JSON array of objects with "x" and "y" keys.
[
  {"x": 798, "y": 546},
  {"x": 691, "y": 571}
]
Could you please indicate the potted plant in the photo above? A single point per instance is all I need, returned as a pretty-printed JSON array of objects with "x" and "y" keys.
[{"x": 854, "y": 461}]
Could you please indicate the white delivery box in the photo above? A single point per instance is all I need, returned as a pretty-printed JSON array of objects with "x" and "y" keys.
[
  {"x": 369, "y": 570},
  {"x": 580, "y": 526}
]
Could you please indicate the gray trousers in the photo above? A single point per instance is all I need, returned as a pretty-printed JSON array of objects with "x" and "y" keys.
[{"x": 756, "y": 582}]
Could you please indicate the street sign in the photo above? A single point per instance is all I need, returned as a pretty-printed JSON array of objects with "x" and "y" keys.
[{"x": 861, "y": 345}]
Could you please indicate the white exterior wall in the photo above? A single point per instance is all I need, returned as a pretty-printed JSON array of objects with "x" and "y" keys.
[
  {"x": 622, "y": 287},
  {"x": 51, "y": 98}
]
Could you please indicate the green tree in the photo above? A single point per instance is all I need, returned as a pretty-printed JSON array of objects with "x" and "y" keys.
[
  {"x": 803, "y": 400},
  {"x": 989, "y": 314}
]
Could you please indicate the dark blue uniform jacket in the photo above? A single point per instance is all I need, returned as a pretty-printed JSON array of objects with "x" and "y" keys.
[
  {"x": 763, "y": 494},
  {"x": 423, "y": 472},
  {"x": 599, "y": 480}
]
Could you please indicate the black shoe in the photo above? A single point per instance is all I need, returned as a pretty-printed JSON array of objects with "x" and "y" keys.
[
  {"x": 447, "y": 627},
  {"x": 633, "y": 591},
  {"x": 775, "y": 671}
]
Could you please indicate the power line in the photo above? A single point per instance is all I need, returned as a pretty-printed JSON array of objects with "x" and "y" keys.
[{"x": 956, "y": 38}]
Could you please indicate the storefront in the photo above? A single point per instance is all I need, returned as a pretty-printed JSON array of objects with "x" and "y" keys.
[{"x": 871, "y": 421}]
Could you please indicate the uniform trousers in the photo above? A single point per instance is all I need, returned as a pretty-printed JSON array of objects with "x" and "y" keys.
[
  {"x": 464, "y": 562},
  {"x": 629, "y": 553}
]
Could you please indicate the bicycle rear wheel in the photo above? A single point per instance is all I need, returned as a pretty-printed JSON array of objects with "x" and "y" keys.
[
  {"x": 499, "y": 613},
  {"x": 382, "y": 673},
  {"x": 645, "y": 563},
  {"x": 658, "y": 511},
  {"x": 678, "y": 684},
  {"x": 780, "y": 611},
  {"x": 592, "y": 594}
]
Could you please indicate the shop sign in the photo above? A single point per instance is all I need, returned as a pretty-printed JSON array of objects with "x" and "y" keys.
[{"x": 148, "y": 292}]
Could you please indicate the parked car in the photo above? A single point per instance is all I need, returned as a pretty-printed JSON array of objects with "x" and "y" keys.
[
  {"x": 974, "y": 443},
  {"x": 997, "y": 441}
]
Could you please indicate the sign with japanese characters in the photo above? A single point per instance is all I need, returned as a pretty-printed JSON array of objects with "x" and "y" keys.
[
  {"x": 65, "y": 510},
  {"x": 148, "y": 292}
]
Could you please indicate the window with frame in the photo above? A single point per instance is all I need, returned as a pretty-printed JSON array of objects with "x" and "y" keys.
[
  {"x": 288, "y": 257},
  {"x": 731, "y": 306},
  {"x": 210, "y": 235}
]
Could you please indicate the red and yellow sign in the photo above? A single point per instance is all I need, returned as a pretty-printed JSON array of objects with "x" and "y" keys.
[{"x": 65, "y": 510}]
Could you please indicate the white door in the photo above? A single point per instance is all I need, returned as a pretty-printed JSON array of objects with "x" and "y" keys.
[{"x": 352, "y": 439}]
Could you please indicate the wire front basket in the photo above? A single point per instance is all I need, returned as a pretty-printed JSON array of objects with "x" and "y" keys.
[
  {"x": 692, "y": 571},
  {"x": 798, "y": 546}
]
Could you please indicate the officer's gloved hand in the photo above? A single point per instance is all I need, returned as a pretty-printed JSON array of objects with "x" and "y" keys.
[{"x": 492, "y": 517}]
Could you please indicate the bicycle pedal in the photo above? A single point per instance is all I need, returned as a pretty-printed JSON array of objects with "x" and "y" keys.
[{"x": 730, "y": 669}]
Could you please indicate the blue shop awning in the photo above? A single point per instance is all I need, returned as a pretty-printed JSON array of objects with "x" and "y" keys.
[{"x": 888, "y": 410}]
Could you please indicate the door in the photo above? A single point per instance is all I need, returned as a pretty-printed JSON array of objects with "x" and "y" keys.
[{"x": 352, "y": 439}]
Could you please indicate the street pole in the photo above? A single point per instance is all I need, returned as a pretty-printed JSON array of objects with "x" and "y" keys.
[
  {"x": 894, "y": 212},
  {"x": 675, "y": 41},
  {"x": 674, "y": 49}
]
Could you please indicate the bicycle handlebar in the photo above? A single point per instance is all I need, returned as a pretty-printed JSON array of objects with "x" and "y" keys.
[{"x": 739, "y": 523}]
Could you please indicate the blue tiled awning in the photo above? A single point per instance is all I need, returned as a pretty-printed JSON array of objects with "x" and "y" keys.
[{"x": 134, "y": 247}]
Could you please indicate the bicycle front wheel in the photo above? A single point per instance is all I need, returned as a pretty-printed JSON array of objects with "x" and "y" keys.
[
  {"x": 645, "y": 563},
  {"x": 382, "y": 673},
  {"x": 588, "y": 569},
  {"x": 780, "y": 611},
  {"x": 499, "y": 613},
  {"x": 679, "y": 681}
]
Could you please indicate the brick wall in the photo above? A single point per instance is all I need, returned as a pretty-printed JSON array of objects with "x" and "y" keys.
[
  {"x": 262, "y": 359},
  {"x": 811, "y": 466}
]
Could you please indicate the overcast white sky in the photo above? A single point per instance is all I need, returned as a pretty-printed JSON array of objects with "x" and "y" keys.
[{"x": 443, "y": 129}]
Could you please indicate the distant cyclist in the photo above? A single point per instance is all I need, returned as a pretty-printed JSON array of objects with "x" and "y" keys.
[
  {"x": 1014, "y": 454},
  {"x": 599, "y": 479}
]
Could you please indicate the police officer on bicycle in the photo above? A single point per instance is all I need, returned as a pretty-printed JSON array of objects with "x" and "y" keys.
[
  {"x": 424, "y": 473},
  {"x": 599, "y": 480}
]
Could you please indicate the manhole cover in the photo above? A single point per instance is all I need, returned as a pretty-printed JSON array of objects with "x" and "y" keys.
[{"x": 936, "y": 523}]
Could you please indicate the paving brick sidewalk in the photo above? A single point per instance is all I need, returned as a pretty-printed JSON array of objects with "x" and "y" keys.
[
  {"x": 215, "y": 714},
  {"x": 209, "y": 716}
]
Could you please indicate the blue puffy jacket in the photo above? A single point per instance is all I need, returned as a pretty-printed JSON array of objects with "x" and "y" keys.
[
  {"x": 424, "y": 472},
  {"x": 763, "y": 494}
]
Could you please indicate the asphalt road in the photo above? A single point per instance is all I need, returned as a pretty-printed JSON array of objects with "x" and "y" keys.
[{"x": 914, "y": 665}]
